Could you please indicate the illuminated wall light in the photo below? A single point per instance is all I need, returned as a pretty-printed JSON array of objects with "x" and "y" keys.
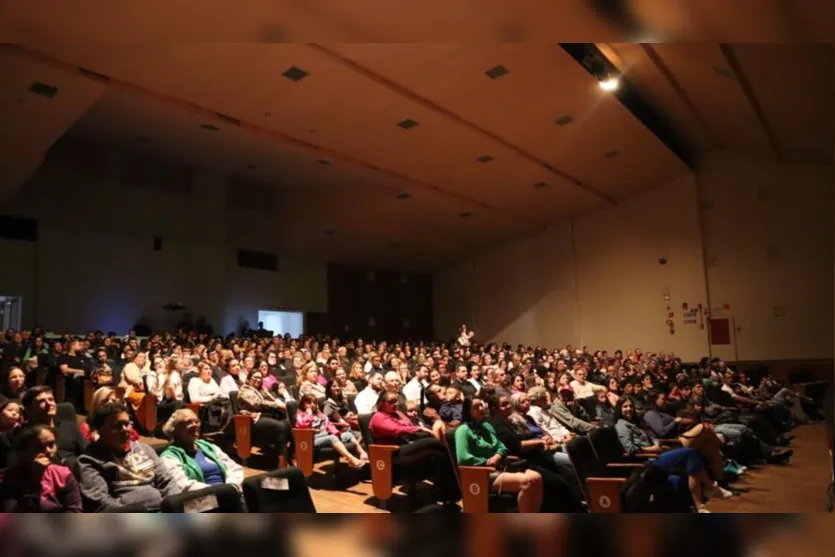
[{"x": 610, "y": 84}]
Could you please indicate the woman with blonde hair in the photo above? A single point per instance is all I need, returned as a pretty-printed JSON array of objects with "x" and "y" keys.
[{"x": 101, "y": 397}]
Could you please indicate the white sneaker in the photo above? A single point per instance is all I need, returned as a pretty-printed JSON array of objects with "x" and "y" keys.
[
  {"x": 721, "y": 493},
  {"x": 703, "y": 510}
]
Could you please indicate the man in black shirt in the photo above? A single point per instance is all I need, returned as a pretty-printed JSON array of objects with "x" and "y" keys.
[
  {"x": 71, "y": 369},
  {"x": 462, "y": 383}
]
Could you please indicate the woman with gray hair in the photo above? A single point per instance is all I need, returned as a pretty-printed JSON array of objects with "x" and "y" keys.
[{"x": 204, "y": 464}]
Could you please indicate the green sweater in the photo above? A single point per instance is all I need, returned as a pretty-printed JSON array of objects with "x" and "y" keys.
[
  {"x": 476, "y": 443},
  {"x": 190, "y": 466}
]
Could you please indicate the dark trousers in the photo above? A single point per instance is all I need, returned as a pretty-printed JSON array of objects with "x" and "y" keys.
[
  {"x": 434, "y": 456},
  {"x": 269, "y": 431},
  {"x": 561, "y": 488}
]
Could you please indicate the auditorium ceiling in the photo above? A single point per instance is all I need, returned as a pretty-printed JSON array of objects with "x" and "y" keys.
[{"x": 408, "y": 154}]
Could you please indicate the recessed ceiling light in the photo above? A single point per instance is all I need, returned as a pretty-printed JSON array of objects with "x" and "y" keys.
[
  {"x": 43, "y": 89},
  {"x": 611, "y": 154},
  {"x": 722, "y": 72},
  {"x": 408, "y": 123},
  {"x": 294, "y": 73},
  {"x": 465, "y": 215},
  {"x": 564, "y": 120},
  {"x": 610, "y": 84},
  {"x": 485, "y": 159},
  {"x": 540, "y": 185},
  {"x": 210, "y": 127},
  {"x": 404, "y": 196},
  {"x": 496, "y": 72}
]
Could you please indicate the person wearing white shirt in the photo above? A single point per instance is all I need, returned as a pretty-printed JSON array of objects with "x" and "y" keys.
[
  {"x": 204, "y": 388},
  {"x": 373, "y": 364},
  {"x": 366, "y": 401},
  {"x": 582, "y": 388},
  {"x": 414, "y": 388},
  {"x": 234, "y": 379},
  {"x": 465, "y": 336},
  {"x": 541, "y": 417}
]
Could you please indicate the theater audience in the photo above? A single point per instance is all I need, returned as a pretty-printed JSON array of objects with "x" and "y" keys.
[
  {"x": 117, "y": 472},
  {"x": 337, "y": 410},
  {"x": 348, "y": 387},
  {"x": 203, "y": 464},
  {"x": 476, "y": 444},
  {"x": 389, "y": 426},
  {"x": 36, "y": 482},
  {"x": 327, "y": 435},
  {"x": 635, "y": 440},
  {"x": 268, "y": 411}
]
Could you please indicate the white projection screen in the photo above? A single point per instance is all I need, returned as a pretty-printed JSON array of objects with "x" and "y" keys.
[{"x": 282, "y": 322}]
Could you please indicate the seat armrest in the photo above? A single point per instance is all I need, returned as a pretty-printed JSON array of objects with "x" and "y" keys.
[
  {"x": 243, "y": 435},
  {"x": 381, "y": 458},
  {"x": 475, "y": 488},
  {"x": 603, "y": 494}
]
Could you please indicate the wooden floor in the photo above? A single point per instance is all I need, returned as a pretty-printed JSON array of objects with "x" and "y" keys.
[{"x": 799, "y": 487}]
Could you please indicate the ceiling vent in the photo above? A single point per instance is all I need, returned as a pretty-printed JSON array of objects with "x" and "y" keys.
[
  {"x": 565, "y": 120},
  {"x": 408, "y": 123},
  {"x": 465, "y": 215},
  {"x": 43, "y": 89},
  {"x": 210, "y": 127},
  {"x": 325, "y": 161},
  {"x": 404, "y": 196},
  {"x": 540, "y": 185},
  {"x": 496, "y": 72},
  {"x": 294, "y": 73},
  {"x": 484, "y": 159}
]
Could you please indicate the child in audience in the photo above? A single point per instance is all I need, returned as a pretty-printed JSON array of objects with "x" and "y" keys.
[
  {"x": 451, "y": 408},
  {"x": 413, "y": 412},
  {"x": 11, "y": 415},
  {"x": 36, "y": 483},
  {"x": 325, "y": 433}
]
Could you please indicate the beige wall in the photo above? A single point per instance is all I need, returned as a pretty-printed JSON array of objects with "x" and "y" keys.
[
  {"x": 618, "y": 300},
  {"x": 94, "y": 267}
]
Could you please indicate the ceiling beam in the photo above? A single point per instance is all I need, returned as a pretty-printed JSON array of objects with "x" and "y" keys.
[
  {"x": 455, "y": 117},
  {"x": 268, "y": 133},
  {"x": 751, "y": 96},
  {"x": 665, "y": 71}
]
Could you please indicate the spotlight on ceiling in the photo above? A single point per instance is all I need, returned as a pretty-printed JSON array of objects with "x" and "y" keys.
[{"x": 610, "y": 84}]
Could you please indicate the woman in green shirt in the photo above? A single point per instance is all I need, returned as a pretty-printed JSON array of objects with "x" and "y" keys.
[{"x": 476, "y": 444}]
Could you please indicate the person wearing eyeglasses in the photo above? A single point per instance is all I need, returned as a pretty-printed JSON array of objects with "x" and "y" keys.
[
  {"x": 390, "y": 426},
  {"x": 116, "y": 472}
]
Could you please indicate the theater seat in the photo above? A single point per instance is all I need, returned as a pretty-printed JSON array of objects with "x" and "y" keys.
[
  {"x": 280, "y": 491},
  {"x": 65, "y": 412},
  {"x": 214, "y": 500},
  {"x": 602, "y": 483},
  {"x": 306, "y": 455},
  {"x": 477, "y": 495}
]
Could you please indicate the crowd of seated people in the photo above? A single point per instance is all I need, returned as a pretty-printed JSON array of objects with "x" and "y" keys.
[{"x": 511, "y": 409}]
